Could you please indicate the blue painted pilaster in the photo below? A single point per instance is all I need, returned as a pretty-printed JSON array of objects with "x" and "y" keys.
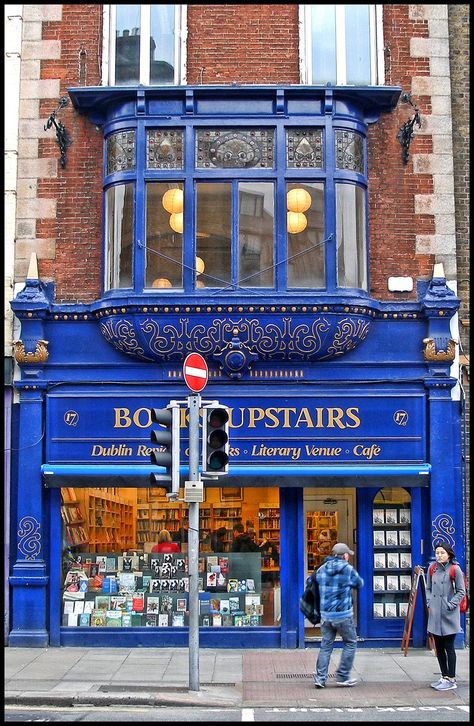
[{"x": 29, "y": 578}]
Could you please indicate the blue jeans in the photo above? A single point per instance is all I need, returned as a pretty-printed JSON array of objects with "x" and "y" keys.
[{"x": 329, "y": 630}]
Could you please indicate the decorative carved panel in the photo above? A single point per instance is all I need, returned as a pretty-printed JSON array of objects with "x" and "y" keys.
[
  {"x": 121, "y": 152},
  {"x": 304, "y": 148},
  {"x": 235, "y": 149},
  {"x": 164, "y": 148},
  {"x": 349, "y": 151}
]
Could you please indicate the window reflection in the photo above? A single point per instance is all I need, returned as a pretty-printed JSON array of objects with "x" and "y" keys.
[
  {"x": 256, "y": 221},
  {"x": 119, "y": 236},
  {"x": 164, "y": 227},
  {"x": 213, "y": 233},
  {"x": 351, "y": 236},
  {"x": 306, "y": 250}
]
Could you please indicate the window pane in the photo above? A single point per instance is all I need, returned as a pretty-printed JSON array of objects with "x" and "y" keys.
[
  {"x": 162, "y": 44},
  {"x": 256, "y": 215},
  {"x": 213, "y": 233},
  {"x": 127, "y": 45},
  {"x": 351, "y": 238},
  {"x": 323, "y": 35},
  {"x": 357, "y": 44},
  {"x": 305, "y": 248},
  {"x": 119, "y": 236},
  {"x": 164, "y": 241}
]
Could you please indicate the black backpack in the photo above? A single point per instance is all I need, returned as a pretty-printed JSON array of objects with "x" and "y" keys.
[{"x": 309, "y": 601}]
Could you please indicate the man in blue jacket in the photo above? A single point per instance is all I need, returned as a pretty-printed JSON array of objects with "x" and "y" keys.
[{"x": 336, "y": 579}]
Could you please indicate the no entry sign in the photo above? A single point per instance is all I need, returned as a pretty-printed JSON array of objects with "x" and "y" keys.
[{"x": 195, "y": 372}]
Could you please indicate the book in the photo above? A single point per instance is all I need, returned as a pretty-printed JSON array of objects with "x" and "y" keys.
[
  {"x": 251, "y": 602},
  {"x": 402, "y": 609},
  {"x": 98, "y": 618},
  {"x": 242, "y": 586},
  {"x": 216, "y": 620},
  {"x": 390, "y": 609},
  {"x": 405, "y": 582},
  {"x": 113, "y": 618},
  {"x": 405, "y": 560},
  {"x": 393, "y": 560},
  {"x": 84, "y": 620},
  {"x": 181, "y": 604},
  {"x": 223, "y": 563},
  {"x": 224, "y": 607},
  {"x": 227, "y": 620},
  {"x": 379, "y": 560},
  {"x": 250, "y": 583},
  {"x": 234, "y": 604},
  {"x": 211, "y": 579},
  {"x": 215, "y": 605},
  {"x": 111, "y": 564},
  {"x": 378, "y": 516},
  {"x": 391, "y": 538},
  {"x": 204, "y": 607},
  {"x": 72, "y": 619},
  {"x": 391, "y": 516},
  {"x": 138, "y": 603},
  {"x": 101, "y": 561},
  {"x": 166, "y": 603},
  {"x": 379, "y": 538},
  {"x": 379, "y": 582},
  {"x": 152, "y": 604},
  {"x": 126, "y": 581},
  {"x": 163, "y": 620},
  {"x": 404, "y": 538},
  {"x": 151, "y": 620},
  {"x": 126, "y": 620},
  {"x": 109, "y": 584},
  {"x": 68, "y": 606},
  {"x": 136, "y": 619},
  {"x": 392, "y": 582},
  {"x": 177, "y": 619},
  {"x": 206, "y": 621},
  {"x": 78, "y": 606},
  {"x": 232, "y": 584},
  {"x": 378, "y": 610},
  {"x": 102, "y": 602}
]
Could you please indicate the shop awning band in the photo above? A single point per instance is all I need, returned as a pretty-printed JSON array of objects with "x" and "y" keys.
[{"x": 130, "y": 475}]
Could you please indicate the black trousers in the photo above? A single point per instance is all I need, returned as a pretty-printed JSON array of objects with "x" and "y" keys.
[{"x": 446, "y": 654}]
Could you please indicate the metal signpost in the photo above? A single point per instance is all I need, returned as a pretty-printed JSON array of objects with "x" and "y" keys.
[{"x": 196, "y": 374}]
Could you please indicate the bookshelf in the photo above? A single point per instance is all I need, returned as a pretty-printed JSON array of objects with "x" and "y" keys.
[
  {"x": 110, "y": 520},
  {"x": 321, "y": 536},
  {"x": 269, "y": 529},
  {"x": 73, "y": 519}
]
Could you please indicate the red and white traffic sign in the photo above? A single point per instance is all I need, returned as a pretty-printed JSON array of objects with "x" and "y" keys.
[{"x": 195, "y": 372}]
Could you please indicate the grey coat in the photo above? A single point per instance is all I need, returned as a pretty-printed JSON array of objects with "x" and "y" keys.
[{"x": 443, "y": 598}]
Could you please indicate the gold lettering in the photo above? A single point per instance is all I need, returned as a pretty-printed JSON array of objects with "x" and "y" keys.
[
  {"x": 255, "y": 414},
  {"x": 232, "y": 418},
  {"x": 306, "y": 417},
  {"x": 286, "y": 418},
  {"x": 334, "y": 417},
  {"x": 122, "y": 414},
  {"x": 271, "y": 414},
  {"x": 136, "y": 418},
  {"x": 352, "y": 414},
  {"x": 319, "y": 418}
]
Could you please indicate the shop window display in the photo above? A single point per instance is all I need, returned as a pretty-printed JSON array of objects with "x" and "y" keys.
[
  {"x": 128, "y": 585},
  {"x": 392, "y": 565}
]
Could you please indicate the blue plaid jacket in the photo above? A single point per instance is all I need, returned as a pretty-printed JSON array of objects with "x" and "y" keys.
[{"x": 336, "y": 579}]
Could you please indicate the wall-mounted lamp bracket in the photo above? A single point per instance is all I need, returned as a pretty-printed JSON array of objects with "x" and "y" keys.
[
  {"x": 405, "y": 134},
  {"x": 62, "y": 136}
]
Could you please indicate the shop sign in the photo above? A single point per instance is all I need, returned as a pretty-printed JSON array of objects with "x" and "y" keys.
[{"x": 304, "y": 428}]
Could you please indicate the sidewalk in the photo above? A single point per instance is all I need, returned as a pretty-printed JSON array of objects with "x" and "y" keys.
[{"x": 233, "y": 678}]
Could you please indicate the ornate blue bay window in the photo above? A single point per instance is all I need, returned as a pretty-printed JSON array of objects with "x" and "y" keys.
[{"x": 241, "y": 202}]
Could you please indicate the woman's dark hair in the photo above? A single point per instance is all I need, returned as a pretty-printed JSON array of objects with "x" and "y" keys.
[{"x": 446, "y": 547}]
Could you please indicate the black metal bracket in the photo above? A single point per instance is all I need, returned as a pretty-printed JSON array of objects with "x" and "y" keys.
[
  {"x": 406, "y": 133},
  {"x": 62, "y": 136}
]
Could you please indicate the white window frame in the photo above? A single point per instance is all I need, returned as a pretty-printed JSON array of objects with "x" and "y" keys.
[
  {"x": 377, "y": 65},
  {"x": 108, "y": 38}
]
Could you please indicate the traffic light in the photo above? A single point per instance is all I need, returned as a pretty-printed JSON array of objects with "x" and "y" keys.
[
  {"x": 167, "y": 436},
  {"x": 215, "y": 439}
]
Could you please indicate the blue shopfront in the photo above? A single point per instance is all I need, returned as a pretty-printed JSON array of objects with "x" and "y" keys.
[{"x": 344, "y": 420}]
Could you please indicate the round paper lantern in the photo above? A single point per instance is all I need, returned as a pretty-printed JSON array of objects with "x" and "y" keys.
[
  {"x": 176, "y": 222},
  {"x": 296, "y": 222},
  {"x": 200, "y": 266},
  {"x": 298, "y": 200},
  {"x": 173, "y": 201},
  {"x": 161, "y": 282}
]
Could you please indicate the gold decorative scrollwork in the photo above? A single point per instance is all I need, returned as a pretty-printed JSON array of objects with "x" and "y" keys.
[
  {"x": 39, "y": 355},
  {"x": 430, "y": 352}
]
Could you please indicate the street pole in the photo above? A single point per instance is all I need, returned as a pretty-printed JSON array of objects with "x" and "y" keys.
[{"x": 194, "y": 403}]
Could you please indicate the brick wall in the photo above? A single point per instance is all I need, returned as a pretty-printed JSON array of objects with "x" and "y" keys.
[{"x": 408, "y": 205}]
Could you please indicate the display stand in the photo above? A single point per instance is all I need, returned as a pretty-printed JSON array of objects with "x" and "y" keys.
[{"x": 418, "y": 580}]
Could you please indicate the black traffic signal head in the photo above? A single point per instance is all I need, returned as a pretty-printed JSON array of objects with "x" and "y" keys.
[
  {"x": 168, "y": 438},
  {"x": 215, "y": 440}
]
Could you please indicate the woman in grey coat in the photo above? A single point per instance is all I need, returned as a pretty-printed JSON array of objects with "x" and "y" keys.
[{"x": 444, "y": 621}]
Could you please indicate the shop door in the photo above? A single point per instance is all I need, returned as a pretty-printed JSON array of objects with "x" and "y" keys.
[{"x": 328, "y": 519}]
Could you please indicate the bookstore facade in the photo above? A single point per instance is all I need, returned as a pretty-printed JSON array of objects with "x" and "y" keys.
[{"x": 344, "y": 423}]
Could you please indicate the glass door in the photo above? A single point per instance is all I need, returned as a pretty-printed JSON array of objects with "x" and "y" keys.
[{"x": 328, "y": 519}]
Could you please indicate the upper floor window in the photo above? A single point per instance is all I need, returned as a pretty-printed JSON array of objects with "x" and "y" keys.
[
  {"x": 341, "y": 44},
  {"x": 145, "y": 45}
]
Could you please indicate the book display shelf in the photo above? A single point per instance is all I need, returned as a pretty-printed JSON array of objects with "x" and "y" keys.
[
  {"x": 392, "y": 567},
  {"x": 321, "y": 536},
  {"x": 110, "y": 520},
  {"x": 73, "y": 519},
  {"x": 151, "y": 590},
  {"x": 269, "y": 529}
]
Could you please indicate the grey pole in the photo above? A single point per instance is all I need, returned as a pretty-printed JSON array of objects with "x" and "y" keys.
[{"x": 194, "y": 403}]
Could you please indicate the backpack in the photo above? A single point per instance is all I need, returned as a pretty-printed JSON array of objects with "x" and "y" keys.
[
  {"x": 464, "y": 604},
  {"x": 309, "y": 601}
]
